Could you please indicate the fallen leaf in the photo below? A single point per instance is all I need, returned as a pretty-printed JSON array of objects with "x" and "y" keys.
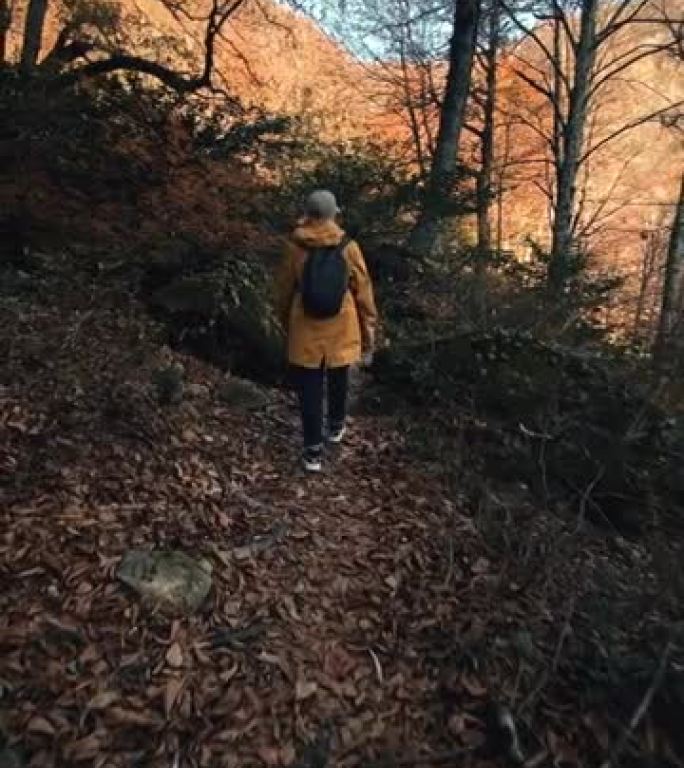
[
  {"x": 243, "y": 553},
  {"x": 174, "y": 656},
  {"x": 269, "y": 755},
  {"x": 338, "y": 663},
  {"x": 276, "y": 661},
  {"x": 103, "y": 700},
  {"x": 91, "y": 653},
  {"x": 392, "y": 582},
  {"x": 472, "y": 739},
  {"x": 171, "y": 691},
  {"x": 83, "y": 749},
  {"x": 598, "y": 730},
  {"x": 456, "y": 724},
  {"x": 305, "y": 690},
  {"x": 473, "y": 687},
  {"x": 40, "y": 725},
  {"x": 287, "y": 754},
  {"x": 131, "y": 717}
]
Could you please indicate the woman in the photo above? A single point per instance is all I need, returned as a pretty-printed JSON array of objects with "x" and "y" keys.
[{"x": 322, "y": 348}]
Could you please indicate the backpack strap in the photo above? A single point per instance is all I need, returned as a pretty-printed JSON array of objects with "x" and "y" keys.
[
  {"x": 344, "y": 242},
  {"x": 341, "y": 246}
]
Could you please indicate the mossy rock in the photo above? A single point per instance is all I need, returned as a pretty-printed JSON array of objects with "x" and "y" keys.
[
  {"x": 169, "y": 581},
  {"x": 242, "y": 394}
]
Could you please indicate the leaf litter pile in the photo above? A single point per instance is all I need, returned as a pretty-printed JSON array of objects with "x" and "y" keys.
[{"x": 356, "y": 619}]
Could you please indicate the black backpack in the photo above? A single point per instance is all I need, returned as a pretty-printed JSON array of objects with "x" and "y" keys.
[{"x": 325, "y": 280}]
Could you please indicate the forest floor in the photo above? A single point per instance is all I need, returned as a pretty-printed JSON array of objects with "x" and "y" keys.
[{"x": 372, "y": 623}]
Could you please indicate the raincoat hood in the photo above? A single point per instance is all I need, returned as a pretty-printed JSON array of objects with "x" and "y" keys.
[{"x": 317, "y": 233}]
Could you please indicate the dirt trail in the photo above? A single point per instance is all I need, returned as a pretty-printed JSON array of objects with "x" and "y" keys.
[
  {"x": 339, "y": 635},
  {"x": 361, "y": 618}
]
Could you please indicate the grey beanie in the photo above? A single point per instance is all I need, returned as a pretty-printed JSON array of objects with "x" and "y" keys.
[{"x": 321, "y": 204}]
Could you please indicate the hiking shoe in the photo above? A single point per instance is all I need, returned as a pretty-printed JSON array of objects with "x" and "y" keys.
[
  {"x": 336, "y": 436},
  {"x": 312, "y": 460}
]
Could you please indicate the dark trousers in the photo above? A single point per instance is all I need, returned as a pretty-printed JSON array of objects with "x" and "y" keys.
[{"x": 310, "y": 386}]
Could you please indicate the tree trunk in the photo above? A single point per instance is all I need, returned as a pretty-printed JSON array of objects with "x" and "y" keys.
[
  {"x": 501, "y": 184},
  {"x": 571, "y": 148},
  {"x": 484, "y": 177},
  {"x": 5, "y": 23},
  {"x": 438, "y": 189},
  {"x": 669, "y": 344},
  {"x": 649, "y": 265},
  {"x": 33, "y": 34},
  {"x": 411, "y": 109}
]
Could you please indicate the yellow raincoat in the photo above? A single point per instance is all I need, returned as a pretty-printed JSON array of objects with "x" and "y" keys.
[{"x": 333, "y": 342}]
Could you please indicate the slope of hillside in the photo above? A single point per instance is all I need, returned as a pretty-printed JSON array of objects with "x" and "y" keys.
[
  {"x": 281, "y": 62},
  {"x": 628, "y": 187},
  {"x": 372, "y": 616},
  {"x": 268, "y": 56}
]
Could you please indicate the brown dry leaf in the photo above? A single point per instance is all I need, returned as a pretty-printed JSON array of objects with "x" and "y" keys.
[
  {"x": 345, "y": 690},
  {"x": 288, "y": 754},
  {"x": 174, "y": 656},
  {"x": 40, "y": 725},
  {"x": 564, "y": 754},
  {"x": 338, "y": 664},
  {"x": 83, "y": 749},
  {"x": 305, "y": 690},
  {"x": 227, "y": 675},
  {"x": 472, "y": 738},
  {"x": 392, "y": 582},
  {"x": 91, "y": 653},
  {"x": 598, "y": 730},
  {"x": 276, "y": 661},
  {"x": 171, "y": 691},
  {"x": 103, "y": 700},
  {"x": 131, "y": 717},
  {"x": 269, "y": 755},
  {"x": 474, "y": 687},
  {"x": 175, "y": 629},
  {"x": 289, "y": 603},
  {"x": 222, "y": 555},
  {"x": 456, "y": 724}
]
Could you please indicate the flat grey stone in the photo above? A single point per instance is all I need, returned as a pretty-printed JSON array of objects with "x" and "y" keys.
[{"x": 170, "y": 581}]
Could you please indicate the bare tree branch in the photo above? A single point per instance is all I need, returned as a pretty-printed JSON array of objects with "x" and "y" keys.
[
  {"x": 559, "y": 15},
  {"x": 625, "y": 61},
  {"x": 628, "y": 127},
  {"x": 616, "y": 23},
  {"x": 218, "y": 17},
  {"x": 546, "y": 92},
  {"x": 529, "y": 124},
  {"x": 540, "y": 43}
]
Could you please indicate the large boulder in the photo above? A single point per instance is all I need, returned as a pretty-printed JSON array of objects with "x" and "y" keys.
[{"x": 169, "y": 581}]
